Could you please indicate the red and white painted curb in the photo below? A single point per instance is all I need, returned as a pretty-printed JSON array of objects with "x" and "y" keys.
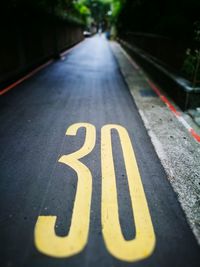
[{"x": 177, "y": 114}]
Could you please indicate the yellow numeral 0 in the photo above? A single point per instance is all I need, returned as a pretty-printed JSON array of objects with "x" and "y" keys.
[
  {"x": 143, "y": 243},
  {"x": 46, "y": 239}
]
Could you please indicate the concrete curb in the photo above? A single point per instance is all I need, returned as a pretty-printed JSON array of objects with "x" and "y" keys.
[{"x": 177, "y": 150}]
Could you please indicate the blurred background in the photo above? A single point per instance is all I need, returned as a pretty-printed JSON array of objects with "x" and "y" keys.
[{"x": 33, "y": 31}]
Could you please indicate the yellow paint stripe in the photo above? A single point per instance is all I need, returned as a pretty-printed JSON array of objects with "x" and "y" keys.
[{"x": 143, "y": 244}]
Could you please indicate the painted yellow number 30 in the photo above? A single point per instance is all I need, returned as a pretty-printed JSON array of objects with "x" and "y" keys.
[{"x": 142, "y": 245}]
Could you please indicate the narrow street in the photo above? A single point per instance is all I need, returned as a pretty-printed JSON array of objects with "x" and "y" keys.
[{"x": 80, "y": 181}]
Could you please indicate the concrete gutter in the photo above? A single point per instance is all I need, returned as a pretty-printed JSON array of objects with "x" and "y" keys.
[
  {"x": 178, "y": 152},
  {"x": 180, "y": 89}
]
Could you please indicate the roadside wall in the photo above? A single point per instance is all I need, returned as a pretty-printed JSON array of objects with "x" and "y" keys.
[
  {"x": 178, "y": 88},
  {"x": 26, "y": 43},
  {"x": 168, "y": 51}
]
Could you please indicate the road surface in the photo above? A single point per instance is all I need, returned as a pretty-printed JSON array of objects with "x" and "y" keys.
[{"x": 80, "y": 182}]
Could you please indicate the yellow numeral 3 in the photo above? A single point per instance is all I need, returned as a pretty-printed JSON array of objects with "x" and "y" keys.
[{"x": 46, "y": 240}]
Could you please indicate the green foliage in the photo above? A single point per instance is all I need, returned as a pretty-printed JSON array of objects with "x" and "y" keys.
[
  {"x": 82, "y": 8},
  {"x": 99, "y": 10},
  {"x": 191, "y": 65},
  {"x": 115, "y": 7}
]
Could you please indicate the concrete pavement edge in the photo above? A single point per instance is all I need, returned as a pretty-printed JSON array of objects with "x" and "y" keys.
[{"x": 177, "y": 150}]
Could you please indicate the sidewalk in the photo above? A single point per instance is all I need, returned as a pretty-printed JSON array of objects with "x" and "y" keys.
[{"x": 177, "y": 149}]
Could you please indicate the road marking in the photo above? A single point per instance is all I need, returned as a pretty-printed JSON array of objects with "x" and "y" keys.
[
  {"x": 143, "y": 244},
  {"x": 46, "y": 239}
]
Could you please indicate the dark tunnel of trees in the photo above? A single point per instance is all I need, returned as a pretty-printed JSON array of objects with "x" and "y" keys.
[
  {"x": 173, "y": 18},
  {"x": 177, "y": 20}
]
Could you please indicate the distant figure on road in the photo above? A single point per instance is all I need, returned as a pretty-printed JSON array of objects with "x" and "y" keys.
[
  {"x": 100, "y": 31},
  {"x": 108, "y": 34}
]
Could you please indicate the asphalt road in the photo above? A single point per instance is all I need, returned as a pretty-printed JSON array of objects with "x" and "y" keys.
[{"x": 87, "y": 208}]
